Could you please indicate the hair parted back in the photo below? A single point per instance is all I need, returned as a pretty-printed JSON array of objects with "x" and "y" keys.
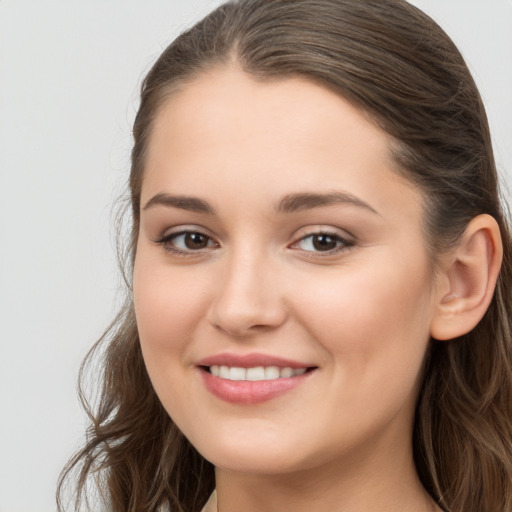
[{"x": 398, "y": 66}]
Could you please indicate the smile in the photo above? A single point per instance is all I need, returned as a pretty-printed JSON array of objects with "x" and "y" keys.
[
  {"x": 256, "y": 373},
  {"x": 252, "y": 378}
]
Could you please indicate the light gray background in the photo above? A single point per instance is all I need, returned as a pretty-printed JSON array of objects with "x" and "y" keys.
[{"x": 69, "y": 77}]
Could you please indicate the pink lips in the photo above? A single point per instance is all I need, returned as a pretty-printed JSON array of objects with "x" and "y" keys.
[
  {"x": 250, "y": 360},
  {"x": 245, "y": 391}
]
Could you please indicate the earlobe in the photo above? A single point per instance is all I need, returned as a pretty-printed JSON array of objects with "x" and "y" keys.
[{"x": 469, "y": 278}]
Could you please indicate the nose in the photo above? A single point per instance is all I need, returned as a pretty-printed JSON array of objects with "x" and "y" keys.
[{"x": 248, "y": 297}]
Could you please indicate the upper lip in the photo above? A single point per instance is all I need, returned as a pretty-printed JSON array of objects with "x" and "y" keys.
[{"x": 250, "y": 361}]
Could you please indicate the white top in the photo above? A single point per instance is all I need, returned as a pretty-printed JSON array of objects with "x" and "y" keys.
[{"x": 211, "y": 504}]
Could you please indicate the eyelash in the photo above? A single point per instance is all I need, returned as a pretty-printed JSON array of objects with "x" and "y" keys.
[
  {"x": 166, "y": 241},
  {"x": 342, "y": 244}
]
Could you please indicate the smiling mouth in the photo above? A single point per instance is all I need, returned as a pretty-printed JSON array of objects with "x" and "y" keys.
[
  {"x": 256, "y": 373},
  {"x": 246, "y": 385}
]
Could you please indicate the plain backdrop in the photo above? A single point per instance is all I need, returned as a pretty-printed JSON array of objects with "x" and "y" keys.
[{"x": 69, "y": 77}]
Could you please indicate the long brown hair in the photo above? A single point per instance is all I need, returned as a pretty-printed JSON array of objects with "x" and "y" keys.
[{"x": 401, "y": 70}]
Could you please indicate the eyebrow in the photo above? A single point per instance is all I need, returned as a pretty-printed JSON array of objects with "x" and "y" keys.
[
  {"x": 191, "y": 204},
  {"x": 306, "y": 201},
  {"x": 288, "y": 204}
]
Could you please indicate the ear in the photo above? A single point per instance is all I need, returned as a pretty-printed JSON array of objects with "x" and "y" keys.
[{"x": 466, "y": 285}]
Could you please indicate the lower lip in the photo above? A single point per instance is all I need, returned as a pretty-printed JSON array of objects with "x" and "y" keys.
[{"x": 250, "y": 392}]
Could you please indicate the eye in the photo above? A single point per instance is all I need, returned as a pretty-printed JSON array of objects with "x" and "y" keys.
[
  {"x": 186, "y": 242},
  {"x": 322, "y": 243}
]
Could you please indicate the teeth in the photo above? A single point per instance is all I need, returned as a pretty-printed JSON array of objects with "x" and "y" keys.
[
  {"x": 286, "y": 372},
  {"x": 255, "y": 373},
  {"x": 237, "y": 373},
  {"x": 271, "y": 372}
]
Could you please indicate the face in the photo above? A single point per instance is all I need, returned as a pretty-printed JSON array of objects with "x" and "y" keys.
[{"x": 282, "y": 287}]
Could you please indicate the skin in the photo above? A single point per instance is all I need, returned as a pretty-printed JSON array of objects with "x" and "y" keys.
[{"x": 361, "y": 314}]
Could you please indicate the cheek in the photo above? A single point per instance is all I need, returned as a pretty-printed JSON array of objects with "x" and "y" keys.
[
  {"x": 374, "y": 331},
  {"x": 372, "y": 321},
  {"x": 164, "y": 295},
  {"x": 168, "y": 308}
]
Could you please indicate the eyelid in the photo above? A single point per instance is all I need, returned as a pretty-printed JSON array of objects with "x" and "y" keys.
[
  {"x": 347, "y": 241},
  {"x": 166, "y": 238}
]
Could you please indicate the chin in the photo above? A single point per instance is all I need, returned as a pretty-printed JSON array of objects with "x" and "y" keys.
[
  {"x": 255, "y": 462},
  {"x": 256, "y": 453}
]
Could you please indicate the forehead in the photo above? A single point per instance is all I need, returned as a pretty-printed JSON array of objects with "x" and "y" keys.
[
  {"x": 225, "y": 126},
  {"x": 226, "y": 98}
]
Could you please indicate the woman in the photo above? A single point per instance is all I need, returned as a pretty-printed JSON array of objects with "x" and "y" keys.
[{"x": 319, "y": 311}]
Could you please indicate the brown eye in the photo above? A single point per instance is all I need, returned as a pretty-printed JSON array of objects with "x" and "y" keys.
[
  {"x": 324, "y": 242},
  {"x": 186, "y": 242},
  {"x": 195, "y": 241}
]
